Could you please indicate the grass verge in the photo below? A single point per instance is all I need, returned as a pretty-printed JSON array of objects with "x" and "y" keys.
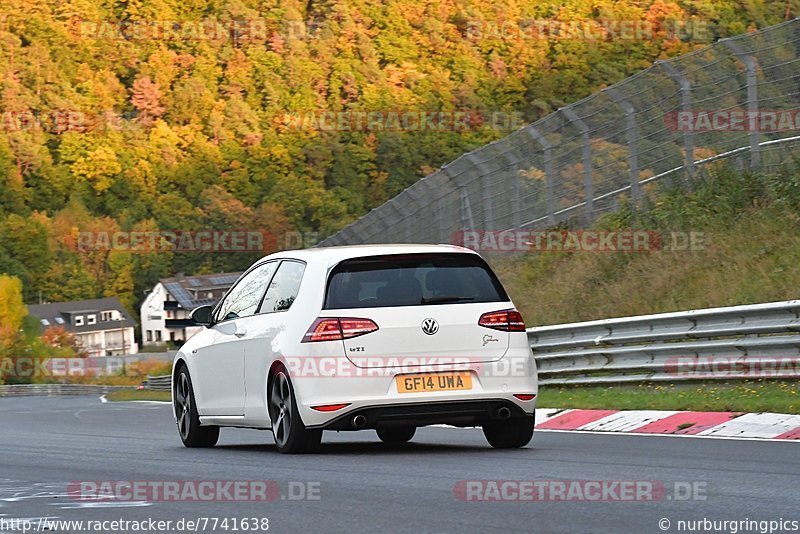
[
  {"x": 750, "y": 253},
  {"x": 749, "y": 396},
  {"x": 138, "y": 395}
]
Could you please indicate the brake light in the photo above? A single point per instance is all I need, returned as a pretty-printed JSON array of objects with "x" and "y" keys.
[
  {"x": 352, "y": 327},
  {"x": 323, "y": 330},
  {"x": 336, "y": 329},
  {"x": 504, "y": 320}
]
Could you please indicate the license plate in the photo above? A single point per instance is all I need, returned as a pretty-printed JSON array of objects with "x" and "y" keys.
[{"x": 433, "y": 382}]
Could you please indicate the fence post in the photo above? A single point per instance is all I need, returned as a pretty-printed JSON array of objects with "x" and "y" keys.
[
  {"x": 488, "y": 213},
  {"x": 436, "y": 194},
  {"x": 361, "y": 235},
  {"x": 752, "y": 96},
  {"x": 467, "y": 220},
  {"x": 686, "y": 106},
  {"x": 632, "y": 136},
  {"x": 416, "y": 204},
  {"x": 548, "y": 172},
  {"x": 516, "y": 214},
  {"x": 588, "y": 186},
  {"x": 405, "y": 218}
]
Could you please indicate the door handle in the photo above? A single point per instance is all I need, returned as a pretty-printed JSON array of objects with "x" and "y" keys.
[{"x": 240, "y": 333}]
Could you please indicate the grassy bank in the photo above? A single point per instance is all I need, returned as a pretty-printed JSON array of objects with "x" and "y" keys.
[
  {"x": 751, "y": 396},
  {"x": 750, "y": 224}
]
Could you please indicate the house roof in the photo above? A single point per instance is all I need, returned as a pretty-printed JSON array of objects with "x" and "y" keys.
[
  {"x": 64, "y": 310},
  {"x": 187, "y": 289}
]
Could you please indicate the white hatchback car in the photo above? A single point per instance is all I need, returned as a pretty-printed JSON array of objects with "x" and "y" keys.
[{"x": 384, "y": 337}]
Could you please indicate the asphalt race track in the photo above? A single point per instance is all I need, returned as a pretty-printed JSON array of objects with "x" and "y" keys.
[{"x": 366, "y": 486}]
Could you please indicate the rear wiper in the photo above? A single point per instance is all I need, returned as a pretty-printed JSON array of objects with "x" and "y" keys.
[{"x": 443, "y": 299}]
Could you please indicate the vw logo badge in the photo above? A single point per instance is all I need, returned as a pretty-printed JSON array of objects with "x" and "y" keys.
[{"x": 430, "y": 326}]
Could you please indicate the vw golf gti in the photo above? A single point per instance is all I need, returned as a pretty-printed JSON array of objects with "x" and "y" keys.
[{"x": 382, "y": 337}]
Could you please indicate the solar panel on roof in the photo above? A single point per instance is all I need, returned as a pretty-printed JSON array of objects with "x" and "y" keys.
[
  {"x": 194, "y": 282},
  {"x": 223, "y": 280},
  {"x": 180, "y": 294}
]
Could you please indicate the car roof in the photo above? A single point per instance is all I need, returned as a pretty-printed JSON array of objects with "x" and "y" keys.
[{"x": 334, "y": 255}]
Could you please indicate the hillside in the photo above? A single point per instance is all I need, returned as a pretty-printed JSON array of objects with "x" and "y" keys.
[
  {"x": 748, "y": 251},
  {"x": 182, "y": 116}
]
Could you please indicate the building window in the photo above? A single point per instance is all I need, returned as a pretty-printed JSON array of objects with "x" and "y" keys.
[
  {"x": 79, "y": 320},
  {"x": 45, "y": 322},
  {"x": 158, "y": 336},
  {"x": 107, "y": 316},
  {"x": 149, "y": 336},
  {"x": 59, "y": 320},
  {"x": 91, "y": 319}
]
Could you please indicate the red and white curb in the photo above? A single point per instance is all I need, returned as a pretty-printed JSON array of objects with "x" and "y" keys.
[{"x": 701, "y": 424}]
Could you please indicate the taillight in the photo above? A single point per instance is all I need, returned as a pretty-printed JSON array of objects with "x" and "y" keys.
[
  {"x": 505, "y": 320},
  {"x": 338, "y": 328},
  {"x": 525, "y": 396},
  {"x": 323, "y": 329},
  {"x": 352, "y": 327}
]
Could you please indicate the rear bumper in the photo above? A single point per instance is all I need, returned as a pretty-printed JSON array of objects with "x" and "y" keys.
[
  {"x": 456, "y": 413},
  {"x": 378, "y": 400}
]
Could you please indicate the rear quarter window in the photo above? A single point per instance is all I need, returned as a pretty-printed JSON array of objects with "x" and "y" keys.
[{"x": 412, "y": 280}]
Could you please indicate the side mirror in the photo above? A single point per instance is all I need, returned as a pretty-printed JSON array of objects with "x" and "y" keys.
[{"x": 202, "y": 315}]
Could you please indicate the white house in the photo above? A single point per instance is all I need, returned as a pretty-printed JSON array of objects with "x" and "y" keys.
[
  {"x": 103, "y": 327},
  {"x": 166, "y": 308}
]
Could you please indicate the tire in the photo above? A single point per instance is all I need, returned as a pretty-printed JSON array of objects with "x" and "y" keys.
[
  {"x": 511, "y": 434},
  {"x": 291, "y": 435},
  {"x": 396, "y": 435},
  {"x": 192, "y": 434}
]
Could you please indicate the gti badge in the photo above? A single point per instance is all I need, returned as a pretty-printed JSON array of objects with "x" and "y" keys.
[{"x": 430, "y": 326}]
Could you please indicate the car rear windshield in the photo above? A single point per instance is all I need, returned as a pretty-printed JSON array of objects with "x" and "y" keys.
[{"x": 412, "y": 280}]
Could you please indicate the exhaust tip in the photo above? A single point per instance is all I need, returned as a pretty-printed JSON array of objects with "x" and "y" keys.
[
  {"x": 359, "y": 421},
  {"x": 503, "y": 413}
]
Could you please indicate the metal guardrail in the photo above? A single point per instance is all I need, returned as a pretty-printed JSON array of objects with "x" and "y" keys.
[
  {"x": 55, "y": 390},
  {"x": 738, "y": 342},
  {"x": 159, "y": 383}
]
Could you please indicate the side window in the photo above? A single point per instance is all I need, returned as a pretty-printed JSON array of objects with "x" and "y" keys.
[
  {"x": 284, "y": 287},
  {"x": 243, "y": 299}
]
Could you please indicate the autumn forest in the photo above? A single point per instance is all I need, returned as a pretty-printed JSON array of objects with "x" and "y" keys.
[{"x": 288, "y": 117}]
